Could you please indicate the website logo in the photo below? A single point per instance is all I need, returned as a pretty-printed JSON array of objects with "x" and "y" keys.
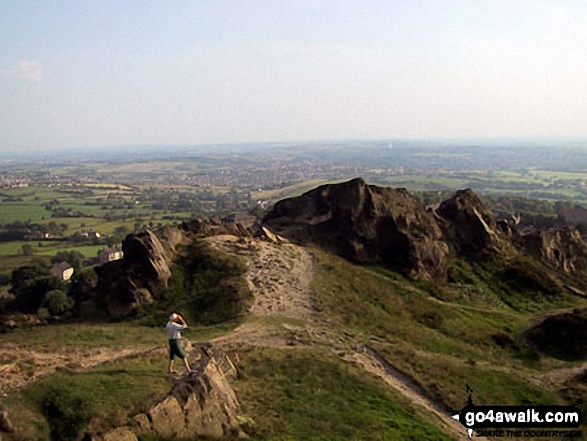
[{"x": 520, "y": 421}]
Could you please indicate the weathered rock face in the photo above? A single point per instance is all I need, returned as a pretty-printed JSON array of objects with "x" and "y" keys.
[
  {"x": 128, "y": 283},
  {"x": 564, "y": 249},
  {"x": 212, "y": 227},
  {"x": 145, "y": 258},
  {"x": 202, "y": 404},
  {"x": 5, "y": 424},
  {"x": 470, "y": 228},
  {"x": 365, "y": 223}
]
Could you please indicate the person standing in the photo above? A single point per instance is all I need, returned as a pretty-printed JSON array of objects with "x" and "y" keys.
[{"x": 174, "y": 326}]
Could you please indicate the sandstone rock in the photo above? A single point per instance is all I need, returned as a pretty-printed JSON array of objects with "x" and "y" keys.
[
  {"x": 141, "y": 423},
  {"x": 564, "y": 249},
  {"x": 201, "y": 404},
  {"x": 562, "y": 336},
  {"x": 117, "y": 289},
  {"x": 266, "y": 234},
  {"x": 133, "y": 281},
  {"x": 470, "y": 228},
  {"x": 365, "y": 223},
  {"x": 145, "y": 256},
  {"x": 207, "y": 350},
  {"x": 5, "y": 423},
  {"x": 167, "y": 417}
]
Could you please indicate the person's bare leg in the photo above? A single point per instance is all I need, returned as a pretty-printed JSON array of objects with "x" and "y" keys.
[
  {"x": 170, "y": 368},
  {"x": 186, "y": 365}
]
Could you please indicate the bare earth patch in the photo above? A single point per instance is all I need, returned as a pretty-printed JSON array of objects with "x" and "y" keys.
[{"x": 20, "y": 365}]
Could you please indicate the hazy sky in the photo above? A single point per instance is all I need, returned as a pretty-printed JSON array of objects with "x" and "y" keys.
[{"x": 93, "y": 73}]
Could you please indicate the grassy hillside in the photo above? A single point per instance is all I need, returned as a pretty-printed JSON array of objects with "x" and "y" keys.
[
  {"x": 311, "y": 394},
  {"x": 447, "y": 336},
  {"x": 444, "y": 336},
  {"x": 128, "y": 378}
]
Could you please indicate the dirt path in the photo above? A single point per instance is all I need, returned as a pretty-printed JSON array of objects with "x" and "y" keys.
[
  {"x": 561, "y": 377},
  {"x": 279, "y": 275},
  {"x": 371, "y": 361},
  {"x": 20, "y": 365}
]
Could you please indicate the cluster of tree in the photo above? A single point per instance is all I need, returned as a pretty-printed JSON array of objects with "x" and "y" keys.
[
  {"x": 30, "y": 231},
  {"x": 35, "y": 290},
  {"x": 12, "y": 199},
  {"x": 30, "y": 285},
  {"x": 58, "y": 210}
]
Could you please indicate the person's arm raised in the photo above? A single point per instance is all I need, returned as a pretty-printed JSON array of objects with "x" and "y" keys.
[{"x": 183, "y": 322}]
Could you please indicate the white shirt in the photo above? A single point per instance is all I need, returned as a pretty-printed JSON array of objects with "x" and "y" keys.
[{"x": 174, "y": 330}]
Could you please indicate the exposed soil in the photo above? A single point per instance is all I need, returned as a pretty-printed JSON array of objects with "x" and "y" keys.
[{"x": 20, "y": 365}]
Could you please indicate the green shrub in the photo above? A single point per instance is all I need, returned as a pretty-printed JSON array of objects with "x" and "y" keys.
[
  {"x": 57, "y": 302},
  {"x": 43, "y": 314},
  {"x": 207, "y": 285}
]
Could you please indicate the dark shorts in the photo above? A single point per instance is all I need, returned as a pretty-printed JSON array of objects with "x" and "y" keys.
[{"x": 175, "y": 349}]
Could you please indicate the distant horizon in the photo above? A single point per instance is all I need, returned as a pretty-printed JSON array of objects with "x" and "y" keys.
[{"x": 517, "y": 141}]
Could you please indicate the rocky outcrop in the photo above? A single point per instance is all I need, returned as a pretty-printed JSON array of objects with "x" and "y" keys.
[
  {"x": 365, "y": 223},
  {"x": 470, "y": 228},
  {"x": 562, "y": 336},
  {"x": 127, "y": 284},
  {"x": 200, "y": 405},
  {"x": 564, "y": 249},
  {"x": 12, "y": 321},
  {"x": 5, "y": 423},
  {"x": 212, "y": 227},
  {"x": 131, "y": 282}
]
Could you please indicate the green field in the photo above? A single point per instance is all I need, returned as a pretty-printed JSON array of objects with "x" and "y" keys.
[
  {"x": 22, "y": 211},
  {"x": 100, "y": 207}
]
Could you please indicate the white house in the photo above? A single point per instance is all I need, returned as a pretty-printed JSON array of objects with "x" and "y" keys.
[
  {"x": 63, "y": 271},
  {"x": 109, "y": 254}
]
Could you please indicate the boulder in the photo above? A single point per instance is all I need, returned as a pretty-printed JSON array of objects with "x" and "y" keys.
[
  {"x": 129, "y": 283},
  {"x": 365, "y": 223},
  {"x": 562, "y": 336},
  {"x": 564, "y": 249},
  {"x": 202, "y": 404},
  {"x": 146, "y": 258},
  {"x": 470, "y": 228}
]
